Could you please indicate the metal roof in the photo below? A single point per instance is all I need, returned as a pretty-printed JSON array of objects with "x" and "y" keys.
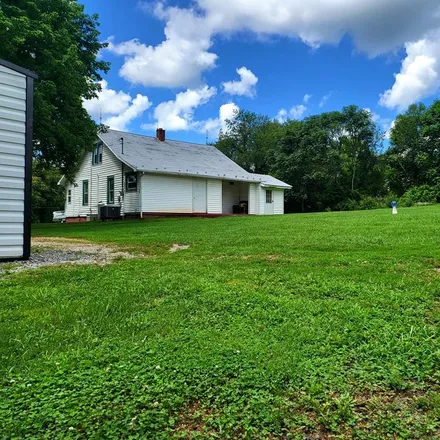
[
  {"x": 270, "y": 181},
  {"x": 148, "y": 154}
]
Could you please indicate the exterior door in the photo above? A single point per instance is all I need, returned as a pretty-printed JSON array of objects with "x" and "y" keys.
[
  {"x": 199, "y": 196},
  {"x": 268, "y": 205}
]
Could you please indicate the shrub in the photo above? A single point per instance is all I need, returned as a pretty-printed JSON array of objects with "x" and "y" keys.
[{"x": 420, "y": 194}]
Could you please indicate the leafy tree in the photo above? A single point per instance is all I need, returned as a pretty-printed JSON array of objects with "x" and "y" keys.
[
  {"x": 431, "y": 136},
  {"x": 47, "y": 196},
  {"x": 250, "y": 140},
  {"x": 58, "y": 41},
  {"x": 359, "y": 141},
  {"x": 406, "y": 157}
]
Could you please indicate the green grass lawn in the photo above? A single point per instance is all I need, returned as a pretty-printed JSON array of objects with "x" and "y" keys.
[{"x": 297, "y": 326}]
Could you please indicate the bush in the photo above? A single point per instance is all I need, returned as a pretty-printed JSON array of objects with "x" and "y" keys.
[
  {"x": 366, "y": 202},
  {"x": 420, "y": 194}
]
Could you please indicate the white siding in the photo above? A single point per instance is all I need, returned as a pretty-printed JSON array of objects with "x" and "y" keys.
[
  {"x": 214, "y": 196},
  {"x": 278, "y": 201},
  {"x": 252, "y": 202},
  {"x": 12, "y": 161},
  {"x": 164, "y": 194},
  {"x": 97, "y": 177},
  {"x": 262, "y": 199}
]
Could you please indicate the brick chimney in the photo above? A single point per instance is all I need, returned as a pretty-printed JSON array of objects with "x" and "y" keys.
[{"x": 160, "y": 134}]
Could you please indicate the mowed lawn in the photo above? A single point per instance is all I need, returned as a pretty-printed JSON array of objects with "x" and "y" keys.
[{"x": 297, "y": 326}]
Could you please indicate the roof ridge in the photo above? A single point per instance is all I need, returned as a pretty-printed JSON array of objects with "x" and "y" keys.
[{"x": 154, "y": 137}]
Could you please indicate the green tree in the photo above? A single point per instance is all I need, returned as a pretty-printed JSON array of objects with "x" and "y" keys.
[
  {"x": 406, "y": 158},
  {"x": 47, "y": 196},
  {"x": 58, "y": 41},
  {"x": 329, "y": 158},
  {"x": 431, "y": 136},
  {"x": 360, "y": 142},
  {"x": 251, "y": 141}
]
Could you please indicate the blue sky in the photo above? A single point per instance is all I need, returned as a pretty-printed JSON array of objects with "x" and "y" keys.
[{"x": 187, "y": 66}]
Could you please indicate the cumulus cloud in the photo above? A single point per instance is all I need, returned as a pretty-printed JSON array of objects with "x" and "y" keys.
[
  {"x": 245, "y": 86},
  {"x": 376, "y": 26},
  {"x": 296, "y": 112},
  {"x": 178, "y": 114},
  {"x": 135, "y": 110},
  {"x": 214, "y": 125},
  {"x": 307, "y": 98},
  {"x": 419, "y": 76},
  {"x": 176, "y": 62},
  {"x": 116, "y": 108}
]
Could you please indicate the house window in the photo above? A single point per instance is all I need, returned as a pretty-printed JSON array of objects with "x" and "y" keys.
[
  {"x": 110, "y": 190},
  {"x": 131, "y": 182},
  {"x": 69, "y": 196},
  {"x": 85, "y": 193},
  {"x": 269, "y": 196},
  {"x": 97, "y": 155}
]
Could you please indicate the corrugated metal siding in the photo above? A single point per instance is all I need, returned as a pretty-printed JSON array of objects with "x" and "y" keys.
[
  {"x": 162, "y": 193},
  {"x": 12, "y": 164},
  {"x": 214, "y": 196},
  {"x": 252, "y": 202},
  {"x": 97, "y": 177},
  {"x": 278, "y": 201}
]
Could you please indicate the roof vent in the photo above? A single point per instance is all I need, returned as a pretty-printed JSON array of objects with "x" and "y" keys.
[{"x": 160, "y": 134}]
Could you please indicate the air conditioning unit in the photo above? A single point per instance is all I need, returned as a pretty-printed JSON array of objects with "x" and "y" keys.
[{"x": 107, "y": 212}]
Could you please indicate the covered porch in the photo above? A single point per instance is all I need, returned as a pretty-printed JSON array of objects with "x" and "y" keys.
[{"x": 236, "y": 197}]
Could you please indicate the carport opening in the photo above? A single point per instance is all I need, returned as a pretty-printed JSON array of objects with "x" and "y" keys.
[{"x": 235, "y": 199}]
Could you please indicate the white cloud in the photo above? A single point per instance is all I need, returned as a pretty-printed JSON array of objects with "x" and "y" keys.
[
  {"x": 282, "y": 116},
  {"x": 307, "y": 98},
  {"x": 213, "y": 126},
  {"x": 136, "y": 109},
  {"x": 176, "y": 62},
  {"x": 178, "y": 114},
  {"x": 376, "y": 26},
  {"x": 296, "y": 112},
  {"x": 245, "y": 86},
  {"x": 419, "y": 76},
  {"x": 324, "y": 99},
  {"x": 117, "y": 109}
]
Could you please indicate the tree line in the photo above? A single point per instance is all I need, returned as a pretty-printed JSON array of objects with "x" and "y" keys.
[{"x": 337, "y": 160}]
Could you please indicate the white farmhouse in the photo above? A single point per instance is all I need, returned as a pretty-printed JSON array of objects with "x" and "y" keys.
[{"x": 133, "y": 176}]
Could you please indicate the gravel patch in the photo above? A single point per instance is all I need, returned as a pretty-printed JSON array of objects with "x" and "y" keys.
[{"x": 56, "y": 251}]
